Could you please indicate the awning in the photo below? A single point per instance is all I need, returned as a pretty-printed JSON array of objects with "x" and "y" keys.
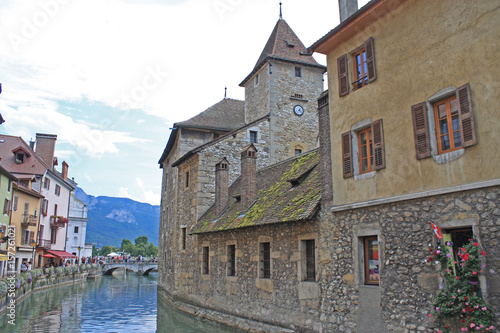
[
  {"x": 61, "y": 254},
  {"x": 4, "y": 257},
  {"x": 48, "y": 255}
]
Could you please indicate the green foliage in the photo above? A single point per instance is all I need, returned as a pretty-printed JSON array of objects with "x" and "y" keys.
[
  {"x": 59, "y": 270},
  {"x": 106, "y": 249},
  {"x": 95, "y": 251},
  {"x": 3, "y": 287},
  {"x": 457, "y": 299}
]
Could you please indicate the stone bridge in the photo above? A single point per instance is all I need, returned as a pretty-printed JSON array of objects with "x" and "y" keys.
[{"x": 142, "y": 268}]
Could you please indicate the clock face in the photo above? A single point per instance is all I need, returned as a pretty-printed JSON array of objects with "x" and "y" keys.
[{"x": 299, "y": 110}]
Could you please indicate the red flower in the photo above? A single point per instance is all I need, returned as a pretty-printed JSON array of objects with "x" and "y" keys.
[
  {"x": 483, "y": 253},
  {"x": 429, "y": 259},
  {"x": 466, "y": 257},
  {"x": 476, "y": 244},
  {"x": 466, "y": 298},
  {"x": 431, "y": 250}
]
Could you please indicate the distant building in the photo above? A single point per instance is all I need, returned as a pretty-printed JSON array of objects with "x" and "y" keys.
[
  {"x": 6, "y": 196},
  {"x": 77, "y": 228}
]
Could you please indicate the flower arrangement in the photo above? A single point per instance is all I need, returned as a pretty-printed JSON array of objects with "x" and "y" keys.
[{"x": 457, "y": 299}]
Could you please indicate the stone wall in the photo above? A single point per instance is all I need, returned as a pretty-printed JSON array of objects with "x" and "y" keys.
[
  {"x": 401, "y": 303},
  {"x": 283, "y": 300}
]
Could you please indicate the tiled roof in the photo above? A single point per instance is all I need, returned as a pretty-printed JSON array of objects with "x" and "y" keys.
[
  {"x": 287, "y": 191},
  {"x": 283, "y": 44},
  {"x": 33, "y": 163},
  {"x": 226, "y": 115}
]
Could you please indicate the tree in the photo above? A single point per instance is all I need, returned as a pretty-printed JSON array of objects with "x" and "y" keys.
[
  {"x": 106, "y": 249},
  {"x": 95, "y": 251},
  {"x": 127, "y": 246},
  {"x": 141, "y": 240}
]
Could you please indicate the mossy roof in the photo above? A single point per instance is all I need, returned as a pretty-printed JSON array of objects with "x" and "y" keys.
[{"x": 288, "y": 191}]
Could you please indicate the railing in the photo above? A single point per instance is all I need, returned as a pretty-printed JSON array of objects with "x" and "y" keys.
[
  {"x": 45, "y": 244},
  {"x": 29, "y": 220}
]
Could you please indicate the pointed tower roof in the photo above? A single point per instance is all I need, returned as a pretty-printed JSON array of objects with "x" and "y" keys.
[{"x": 284, "y": 45}]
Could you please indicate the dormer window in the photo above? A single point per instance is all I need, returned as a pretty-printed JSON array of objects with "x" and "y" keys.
[
  {"x": 20, "y": 158},
  {"x": 20, "y": 154}
]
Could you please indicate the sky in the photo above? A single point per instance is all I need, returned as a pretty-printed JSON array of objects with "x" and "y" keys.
[{"x": 111, "y": 77}]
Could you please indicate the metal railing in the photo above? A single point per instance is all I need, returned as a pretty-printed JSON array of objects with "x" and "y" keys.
[{"x": 29, "y": 220}]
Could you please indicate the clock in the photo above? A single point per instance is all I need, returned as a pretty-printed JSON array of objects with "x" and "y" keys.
[{"x": 298, "y": 109}]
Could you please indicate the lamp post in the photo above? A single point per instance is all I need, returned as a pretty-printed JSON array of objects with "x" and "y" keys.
[
  {"x": 79, "y": 249},
  {"x": 33, "y": 244}
]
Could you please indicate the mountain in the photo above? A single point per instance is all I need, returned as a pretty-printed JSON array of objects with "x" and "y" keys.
[{"x": 111, "y": 219}]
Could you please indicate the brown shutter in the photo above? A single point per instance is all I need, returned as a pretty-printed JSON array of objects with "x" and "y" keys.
[
  {"x": 378, "y": 145},
  {"x": 468, "y": 132},
  {"x": 347, "y": 155},
  {"x": 342, "y": 73},
  {"x": 370, "y": 60},
  {"x": 421, "y": 130}
]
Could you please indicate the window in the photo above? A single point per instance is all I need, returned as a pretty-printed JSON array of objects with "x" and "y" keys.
[
  {"x": 444, "y": 123},
  {"x": 16, "y": 199},
  {"x": 363, "y": 61},
  {"x": 46, "y": 184},
  {"x": 205, "y": 261},
  {"x": 265, "y": 260},
  {"x": 458, "y": 238},
  {"x": 187, "y": 178},
  {"x": 183, "y": 238},
  {"x": 58, "y": 190},
  {"x": 256, "y": 80},
  {"x": 298, "y": 72},
  {"x": 365, "y": 150},
  {"x": 53, "y": 235},
  {"x": 231, "y": 260},
  {"x": 45, "y": 207},
  {"x": 360, "y": 69},
  {"x": 365, "y": 142},
  {"x": 309, "y": 252},
  {"x": 40, "y": 234},
  {"x": 20, "y": 158},
  {"x": 26, "y": 237},
  {"x": 298, "y": 151},
  {"x": 26, "y": 208},
  {"x": 24, "y": 183},
  {"x": 75, "y": 230},
  {"x": 371, "y": 260},
  {"x": 9, "y": 186},
  {"x": 6, "y": 207},
  {"x": 253, "y": 136}
]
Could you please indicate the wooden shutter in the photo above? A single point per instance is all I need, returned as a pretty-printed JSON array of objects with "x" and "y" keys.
[
  {"x": 378, "y": 145},
  {"x": 370, "y": 60},
  {"x": 342, "y": 74},
  {"x": 421, "y": 130},
  {"x": 468, "y": 132},
  {"x": 347, "y": 155}
]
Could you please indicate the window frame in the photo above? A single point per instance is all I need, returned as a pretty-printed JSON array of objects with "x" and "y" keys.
[
  {"x": 265, "y": 260},
  {"x": 309, "y": 259},
  {"x": 449, "y": 122},
  {"x": 231, "y": 260},
  {"x": 183, "y": 237},
  {"x": 369, "y": 150},
  {"x": 57, "y": 190},
  {"x": 360, "y": 80},
  {"x": 205, "y": 260},
  {"x": 298, "y": 71},
  {"x": 366, "y": 260},
  {"x": 253, "y": 136}
]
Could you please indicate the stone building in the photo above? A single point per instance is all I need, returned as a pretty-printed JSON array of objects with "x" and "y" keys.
[
  {"x": 400, "y": 74},
  {"x": 278, "y": 122}
]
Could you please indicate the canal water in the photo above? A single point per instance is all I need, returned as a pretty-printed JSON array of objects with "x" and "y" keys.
[{"x": 122, "y": 302}]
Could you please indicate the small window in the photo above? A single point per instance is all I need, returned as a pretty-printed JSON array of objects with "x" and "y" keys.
[
  {"x": 231, "y": 260},
  {"x": 253, "y": 136},
  {"x": 46, "y": 184},
  {"x": 360, "y": 69},
  {"x": 24, "y": 183},
  {"x": 45, "y": 206},
  {"x": 256, "y": 80},
  {"x": 53, "y": 235},
  {"x": 75, "y": 230},
  {"x": 298, "y": 72},
  {"x": 205, "y": 261},
  {"x": 265, "y": 260},
  {"x": 371, "y": 260},
  {"x": 6, "y": 207},
  {"x": 183, "y": 238},
  {"x": 447, "y": 125},
  {"x": 16, "y": 199},
  {"x": 187, "y": 178},
  {"x": 310, "y": 260},
  {"x": 20, "y": 158},
  {"x": 458, "y": 238},
  {"x": 9, "y": 186},
  {"x": 57, "y": 190},
  {"x": 365, "y": 150},
  {"x": 298, "y": 152}
]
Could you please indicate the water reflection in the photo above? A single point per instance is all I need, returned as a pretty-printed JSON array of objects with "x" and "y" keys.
[{"x": 119, "y": 303}]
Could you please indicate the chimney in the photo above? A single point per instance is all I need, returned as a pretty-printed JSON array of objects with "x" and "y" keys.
[
  {"x": 65, "y": 170},
  {"x": 45, "y": 147},
  {"x": 325, "y": 152},
  {"x": 347, "y": 8},
  {"x": 248, "y": 175},
  {"x": 32, "y": 145},
  {"x": 221, "y": 186}
]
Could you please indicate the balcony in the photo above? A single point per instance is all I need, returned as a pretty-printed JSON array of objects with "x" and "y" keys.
[
  {"x": 29, "y": 220},
  {"x": 58, "y": 221},
  {"x": 45, "y": 244}
]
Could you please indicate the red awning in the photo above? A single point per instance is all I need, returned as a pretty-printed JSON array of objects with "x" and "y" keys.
[
  {"x": 61, "y": 254},
  {"x": 48, "y": 255}
]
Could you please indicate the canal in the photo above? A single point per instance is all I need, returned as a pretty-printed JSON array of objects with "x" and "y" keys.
[{"x": 122, "y": 302}]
